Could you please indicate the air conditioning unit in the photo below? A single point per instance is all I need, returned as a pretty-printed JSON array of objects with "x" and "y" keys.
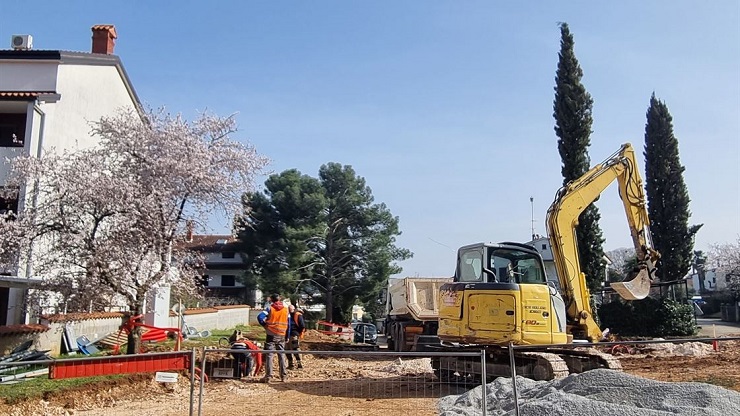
[{"x": 21, "y": 42}]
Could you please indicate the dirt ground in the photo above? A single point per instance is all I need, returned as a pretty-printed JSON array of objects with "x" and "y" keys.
[{"x": 345, "y": 386}]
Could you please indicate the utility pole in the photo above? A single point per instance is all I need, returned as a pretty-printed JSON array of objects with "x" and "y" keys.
[{"x": 531, "y": 202}]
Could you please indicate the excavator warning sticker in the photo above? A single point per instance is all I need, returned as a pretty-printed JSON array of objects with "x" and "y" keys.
[{"x": 449, "y": 297}]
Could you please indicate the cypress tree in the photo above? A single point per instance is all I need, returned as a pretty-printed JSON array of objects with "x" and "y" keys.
[
  {"x": 572, "y": 112},
  {"x": 668, "y": 198}
]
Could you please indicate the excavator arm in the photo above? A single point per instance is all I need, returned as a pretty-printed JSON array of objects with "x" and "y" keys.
[{"x": 562, "y": 219}]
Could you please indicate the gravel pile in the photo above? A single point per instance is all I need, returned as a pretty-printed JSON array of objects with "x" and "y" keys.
[{"x": 596, "y": 393}]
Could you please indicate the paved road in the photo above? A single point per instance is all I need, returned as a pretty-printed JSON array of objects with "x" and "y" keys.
[{"x": 709, "y": 326}]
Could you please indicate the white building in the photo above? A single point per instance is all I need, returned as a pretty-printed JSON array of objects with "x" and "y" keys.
[
  {"x": 47, "y": 100},
  {"x": 224, "y": 268},
  {"x": 542, "y": 244},
  {"x": 713, "y": 281}
]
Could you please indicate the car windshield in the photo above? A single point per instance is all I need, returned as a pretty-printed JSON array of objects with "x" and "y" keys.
[{"x": 367, "y": 329}]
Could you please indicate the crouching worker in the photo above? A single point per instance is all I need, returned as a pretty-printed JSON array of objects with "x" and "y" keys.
[
  {"x": 297, "y": 326},
  {"x": 275, "y": 321}
]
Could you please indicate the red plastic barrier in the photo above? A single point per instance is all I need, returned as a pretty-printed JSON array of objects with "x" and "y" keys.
[{"x": 120, "y": 364}]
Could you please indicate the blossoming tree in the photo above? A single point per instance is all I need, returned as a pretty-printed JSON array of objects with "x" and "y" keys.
[{"x": 103, "y": 222}]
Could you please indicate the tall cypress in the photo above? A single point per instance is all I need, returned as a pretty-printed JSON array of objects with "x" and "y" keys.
[
  {"x": 668, "y": 198},
  {"x": 572, "y": 111}
]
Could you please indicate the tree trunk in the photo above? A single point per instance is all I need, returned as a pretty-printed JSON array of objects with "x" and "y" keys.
[
  {"x": 133, "y": 345},
  {"x": 329, "y": 305}
]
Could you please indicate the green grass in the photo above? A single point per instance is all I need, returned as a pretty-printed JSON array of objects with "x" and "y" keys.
[
  {"x": 255, "y": 333},
  {"x": 38, "y": 387}
]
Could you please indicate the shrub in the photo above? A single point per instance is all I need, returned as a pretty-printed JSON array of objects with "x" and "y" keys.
[{"x": 648, "y": 318}]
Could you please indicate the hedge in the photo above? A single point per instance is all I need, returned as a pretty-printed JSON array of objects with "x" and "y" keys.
[{"x": 648, "y": 318}]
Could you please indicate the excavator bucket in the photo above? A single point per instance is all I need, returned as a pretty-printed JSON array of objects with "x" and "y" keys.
[{"x": 634, "y": 289}]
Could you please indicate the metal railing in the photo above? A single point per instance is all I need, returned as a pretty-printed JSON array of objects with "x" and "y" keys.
[
  {"x": 363, "y": 381},
  {"x": 399, "y": 382}
]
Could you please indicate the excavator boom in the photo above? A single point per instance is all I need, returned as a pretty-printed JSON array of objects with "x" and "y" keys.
[{"x": 562, "y": 219}]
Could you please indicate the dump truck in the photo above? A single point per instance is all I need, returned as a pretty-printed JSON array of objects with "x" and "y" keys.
[{"x": 412, "y": 311}]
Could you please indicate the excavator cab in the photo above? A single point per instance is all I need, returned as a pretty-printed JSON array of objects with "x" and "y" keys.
[
  {"x": 500, "y": 294},
  {"x": 486, "y": 263}
]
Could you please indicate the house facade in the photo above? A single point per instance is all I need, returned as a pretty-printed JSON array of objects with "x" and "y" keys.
[
  {"x": 47, "y": 100},
  {"x": 223, "y": 271},
  {"x": 542, "y": 244},
  {"x": 714, "y": 280}
]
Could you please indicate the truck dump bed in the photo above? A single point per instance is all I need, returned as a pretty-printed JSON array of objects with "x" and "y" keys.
[{"x": 415, "y": 298}]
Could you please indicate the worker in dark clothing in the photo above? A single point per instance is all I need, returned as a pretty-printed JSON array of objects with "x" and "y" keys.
[{"x": 296, "y": 329}]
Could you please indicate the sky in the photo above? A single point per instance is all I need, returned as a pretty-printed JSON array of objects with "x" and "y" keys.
[{"x": 444, "y": 107}]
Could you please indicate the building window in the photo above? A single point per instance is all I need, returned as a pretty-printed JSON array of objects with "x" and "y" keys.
[
  {"x": 12, "y": 130},
  {"x": 227, "y": 255},
  {"x": 544, "y": 246},
  {"x": 228, "y": 280},
  {"x": 8, "y": 204}
]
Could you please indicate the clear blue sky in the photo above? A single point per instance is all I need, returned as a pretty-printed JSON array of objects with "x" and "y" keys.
[{"x": 445, "y": 107}]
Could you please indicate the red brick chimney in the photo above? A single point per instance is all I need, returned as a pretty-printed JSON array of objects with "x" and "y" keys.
[
  {"x": 189, "y": 231},
  {"x": 104, "y": 39}
]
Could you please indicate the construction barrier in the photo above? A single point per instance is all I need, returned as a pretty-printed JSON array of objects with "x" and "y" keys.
[
  {"x": 121, "y": 364},
  {"x": 342, "y": 331}
]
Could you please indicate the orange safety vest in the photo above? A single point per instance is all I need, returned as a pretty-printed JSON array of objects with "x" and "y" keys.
[
  {"x": 296, "y": 315},
  {"x": 277, "y": 321}
]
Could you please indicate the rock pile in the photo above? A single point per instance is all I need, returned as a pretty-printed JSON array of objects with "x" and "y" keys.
[{"x": 689, "y": 349}]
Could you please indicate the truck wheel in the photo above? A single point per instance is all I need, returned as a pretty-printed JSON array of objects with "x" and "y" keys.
[{"x": 401, "y": 340}]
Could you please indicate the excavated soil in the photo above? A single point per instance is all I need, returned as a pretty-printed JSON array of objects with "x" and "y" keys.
[{"x": 348, "y": 386}]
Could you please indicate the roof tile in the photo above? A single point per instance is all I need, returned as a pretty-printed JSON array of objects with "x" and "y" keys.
[
  {"x": 23, "y": 94},
  {"x": 83, "y": 316},
  {"x": 23, "y": 329}
]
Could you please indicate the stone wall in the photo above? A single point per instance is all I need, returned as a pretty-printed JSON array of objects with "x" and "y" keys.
[{"x": 93, "y": 326}]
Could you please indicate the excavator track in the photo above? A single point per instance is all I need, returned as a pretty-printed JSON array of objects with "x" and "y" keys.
[
  {"x": 585, "y": 359},
  {"x": 547, "y": 364}
]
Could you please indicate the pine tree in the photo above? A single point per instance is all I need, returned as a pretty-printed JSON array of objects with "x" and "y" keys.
[
  {"x": 668, "y": 198},
  {"x": 322, "y": 239},
  {"x": 572, "y": 112}
]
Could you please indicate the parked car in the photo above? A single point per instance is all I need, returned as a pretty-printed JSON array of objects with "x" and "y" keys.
[
  {"x": 365, "y": 333},
  {"x": 698, "y": 300}
]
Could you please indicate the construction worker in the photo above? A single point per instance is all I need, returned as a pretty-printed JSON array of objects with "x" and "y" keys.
[
  {"x": 274, "y": 318},
  {"x": 296, "y": 328}
]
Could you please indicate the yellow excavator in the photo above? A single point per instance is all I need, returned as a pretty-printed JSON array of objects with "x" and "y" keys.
[{"x": 500, "y": 293}]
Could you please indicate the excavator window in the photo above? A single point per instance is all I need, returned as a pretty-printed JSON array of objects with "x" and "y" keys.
[
  {"x": 470, "y": 266},
  {"x": 516, "y": 267}
]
